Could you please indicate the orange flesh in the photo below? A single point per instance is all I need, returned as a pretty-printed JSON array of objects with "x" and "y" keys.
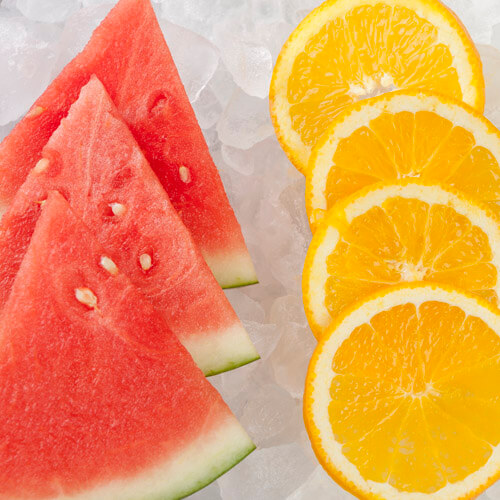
[
  {"x": 373, "y": 49},
  {"x": 422, "y": 409},
  {"x": 408, "y": 240},
  {"x": 419, "y": 145}
]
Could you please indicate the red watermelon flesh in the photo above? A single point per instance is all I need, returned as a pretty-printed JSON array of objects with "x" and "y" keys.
[
  {"x": 129, "y": 55},
  {"x": 99, "y": 399},
  {"x": 94, "y": 161}
]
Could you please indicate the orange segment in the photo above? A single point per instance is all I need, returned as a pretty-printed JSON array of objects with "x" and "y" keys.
[
  {"x": 395, "y": 233},
  {"x": 348, "y": 50},
  {"x": 404, "y": 135},
  {"x": 403, "y": 395}
]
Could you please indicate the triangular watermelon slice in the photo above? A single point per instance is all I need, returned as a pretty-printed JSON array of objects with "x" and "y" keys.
[
  {"x": 98, "y": 398},
  {"x": 129, "y": 55},
  {"x": 94, "y": 161}
]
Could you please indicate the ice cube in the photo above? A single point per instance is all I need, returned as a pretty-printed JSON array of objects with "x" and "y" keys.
[
  {"x": 320, "y": 486},
  {"x": 93, "y": 3},
  {"x": 198, "y": 15},
  {"x": 295, "y": 10},
  {"x": 478, "y": 17},
  {"x": 26, "y": 58},
  {"x": 77, "y": 32},
  {"x": 245, "y": 121},
  {"x": 245, "y": 306},
  {"x": 264, "y": 11},
  {"x": 210, "y": 492},
  {"x": 222, "y": 84},
  {"x": 207, "y": 108},
  {"x": 248, "y": 60},
  {"x": 267, "y": 474},
  {"x": 272, "y": 416},
  {"x": 290, "y": 358},
  {"x": 47, "y": 11},
  {"x": 492, "y": 493},
  {"x": 490, "y": 57},
  {"x": 195, "y": 57}
]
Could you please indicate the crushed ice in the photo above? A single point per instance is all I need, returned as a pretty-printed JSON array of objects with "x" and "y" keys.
[{"x": 225, "y": 51}]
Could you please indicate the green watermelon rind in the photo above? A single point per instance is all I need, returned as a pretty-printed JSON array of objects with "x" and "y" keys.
[
  {"x": 196, "y": 465},
  {"x": 203, "y": 483},
  {"x": 232, "y": 269},
  {"x": 221, "y": 350},
  {"x": 231, "y": 366},
  {"x": 241, "y": 284}
]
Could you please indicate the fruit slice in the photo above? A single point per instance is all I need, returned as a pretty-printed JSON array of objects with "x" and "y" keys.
[
  {"x": 347, "y": 50},
  {"x": 93, "y": 159},
  {"x": 404, "y": 135},
  {"x": 402, "y": 396},
  {"x": 129, "y": 55},
  {"x": 394, "y": 233},
  {"x": 99, "y": 400}
]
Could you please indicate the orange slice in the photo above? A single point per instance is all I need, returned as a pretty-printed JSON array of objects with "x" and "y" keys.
[
  {"x": 402, "y": 398},
  {"x": 407, "y": 134},
  {"x": 348, "y": 50},
  {"x": 394, "y": 233}
]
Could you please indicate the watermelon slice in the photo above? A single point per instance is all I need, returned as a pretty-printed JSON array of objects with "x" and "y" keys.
[
  {"x": 94, "y": 161},
  {"x": 129, "y": 55},
  {"x": 99, "y": 399}
]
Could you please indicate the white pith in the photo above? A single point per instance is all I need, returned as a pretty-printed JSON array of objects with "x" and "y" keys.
[
  {"x": 220, "y": 350},
  {"x": 231, "y": 268},
  {"x": 198, "y": 463},
  {"x": 316, "y": 19},
  {"x": 325, "y": 240},
  {"x": 321, "y": 163},
  {"x": 319, "y": 390}
]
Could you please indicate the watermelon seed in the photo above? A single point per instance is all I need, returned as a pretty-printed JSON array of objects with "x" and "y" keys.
[
  {"x": 109, "y": 265},
  {"x": 86, "y": 296},
  {"x": 145, "y": 261},
  {"x": 185, "y": 174},
  {"x": 34, "y": 112},
  {"x": 41, "y": 166},
  {"x": 117, "y": 208}
]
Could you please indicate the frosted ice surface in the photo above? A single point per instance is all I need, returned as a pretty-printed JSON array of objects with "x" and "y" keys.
[
  {"x": 319, "y": 486},
  {"x": 267, "y": 474},
  {"x": 295, "y": 10},
  {"x": 272, "y": 416},
  {"x": 493, "y": 493},
  {"x": 290, "y": 358},
  {"x": 48, "y": 11},
  {"x": 207, "y": 108},
  {"x": 245, "y": 121},
  {"x": 490, "y": 57},
  {"x": 195, "y": 57},
  {"x": 26, "y": 59},
  {"x": 211, "y": 492},
  {"x": 247, "y": 60},
  {"x": 93, "y": 3},
  {"x": 198, "y": 15},
  {"x": 77, "y": 31},
  {"x": 479, "y": 16}
]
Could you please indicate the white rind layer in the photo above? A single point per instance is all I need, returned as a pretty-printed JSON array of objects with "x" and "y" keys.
[
  {"x": 221, "y": 351},
  {"x": 232, "y": 269},
  {"x": 196, "y": 465}
]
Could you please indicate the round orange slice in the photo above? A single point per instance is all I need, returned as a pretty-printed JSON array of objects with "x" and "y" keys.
[
  {"x": 348, "y": 50},
  {"x": 402, "y": 396},
  {"x": 406, "y": 134},
  {"x": 393, "y": 233}
]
